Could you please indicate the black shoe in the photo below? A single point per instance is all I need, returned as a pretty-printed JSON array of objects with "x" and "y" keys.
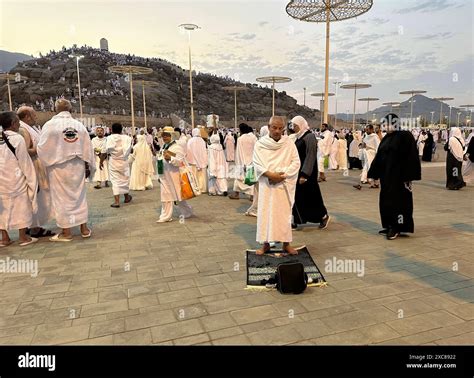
[
  {"x": 383, "y": 232},
  {"x": 392, "y": 234},
  {"x": 225, "y": 194},
  {"x": 294, "y": 226},
  {"x": 324, "y": 223}
]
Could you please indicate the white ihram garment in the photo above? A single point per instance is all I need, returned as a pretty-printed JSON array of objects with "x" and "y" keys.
[
  {"x": 324, "y": 148},
  {"x": 43, "y": 215},
  {"x": 64, "y": 148},
  {"x": 275, "y": 202},
  {"x": 101, "y": 175},
  {"x": 229, "y": 142},
  {"x": 243, "y": 158},
  {"x": 170, "y": 184},
  {"x": 142, "y": 167},
  {"x": 196, "y": 156},
  {"x": 118, "y": 147},
  {"x": 18, "y": 184},
  {"x": 218, "y": 169}
]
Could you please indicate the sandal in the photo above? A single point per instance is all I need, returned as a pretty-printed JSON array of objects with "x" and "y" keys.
[
  {"x": 6, "y": 245},
  {"x": 31, "y": 241},
  {"x": 115, "y": 205},
  {"x": 87, "y": 236},
  {"x": 58, "y": 238},
  {"x": 129, "y": 199},
  {"x": 374, "y": 187}
]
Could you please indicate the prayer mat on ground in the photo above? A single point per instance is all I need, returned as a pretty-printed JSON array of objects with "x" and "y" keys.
[{"x": 262, "y": 268}]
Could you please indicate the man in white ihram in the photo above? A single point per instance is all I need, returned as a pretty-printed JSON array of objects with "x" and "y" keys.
[
  {"x": 276, "y": 162},
  {"x": 65, "y": 149}
]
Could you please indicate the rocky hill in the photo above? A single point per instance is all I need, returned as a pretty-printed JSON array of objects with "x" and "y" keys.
[{"x": 104, "y": 92}]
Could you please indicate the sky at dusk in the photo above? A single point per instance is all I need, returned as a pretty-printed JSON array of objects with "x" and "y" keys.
[{"x": 397, "y": 45}]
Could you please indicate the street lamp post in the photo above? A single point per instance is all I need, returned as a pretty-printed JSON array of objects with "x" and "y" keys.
[
  {"x": 355, "y": 86},
  {"x": 368, "y": 99},
  {"x": 432, "y": 115},
  {"x": 273, "y": 80},
  {"x": 412, "y": 92},
  {"x": 336, "y": 83},
  {"x": 78, "y": 57},
  {"x": 16, "y": 77},
  {"x": 235, "y": 89},
  {"x": 327, "y": 11},
  {"x": 130, "y": 71},
  {"x": 190, "y": 28},
  {"x": 304, "y": 97},
  {"x": 459, "y": 114},
  {"x": 441, "y": 99},
  {"x": 146, "y": 84},
  {"x": 322, "y": 95}
]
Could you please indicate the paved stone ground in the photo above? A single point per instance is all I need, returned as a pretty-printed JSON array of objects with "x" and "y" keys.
[{"x": 182, "y": 288}]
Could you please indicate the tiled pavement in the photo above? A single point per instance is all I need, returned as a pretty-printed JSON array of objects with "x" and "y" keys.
[{"x": 137, "y": 282}]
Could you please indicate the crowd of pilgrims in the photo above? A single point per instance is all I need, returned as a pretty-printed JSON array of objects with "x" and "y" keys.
[{"x": 44, "y": 170}]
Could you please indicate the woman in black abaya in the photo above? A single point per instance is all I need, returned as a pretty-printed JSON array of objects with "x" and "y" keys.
[
  {"x": 428, "y": 149},
  {"x": 309, "y": 204},
  {"x": 454, "y": 159}
]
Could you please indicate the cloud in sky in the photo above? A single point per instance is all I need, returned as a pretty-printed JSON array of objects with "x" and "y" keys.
[{"x": 428, "y": 6}]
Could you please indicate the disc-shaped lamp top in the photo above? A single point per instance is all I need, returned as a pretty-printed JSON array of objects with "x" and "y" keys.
[
  {"x": 138, "y": 70},
  {"x": 355, "y": 86},
  {"x": 393, "y": 103},
  {"x": 321, "y": 94},
  {"x": 273, "y": 79},
  {"x": 413, "y": 92},
  {"x": 369, "y": 99},
  {"x": 189, "y": 26},
  {"x": 316, "y": 10},
  {"x": 443, "y": 98}
]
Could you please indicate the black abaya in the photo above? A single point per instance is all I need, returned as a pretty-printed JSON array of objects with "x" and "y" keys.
[
  {"x": 396, "y": 164},
  {"x": 309, "y": 204},
  {"x": 454, "y": 179},
  {"x": 428, "y": 149}
]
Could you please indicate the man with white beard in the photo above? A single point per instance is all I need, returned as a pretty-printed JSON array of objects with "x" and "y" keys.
[
  {"x": 18, "y": 183},
  {"x": 196, "y": 156},
  {"x": 276, "y": 163},
  {"x": 324, "y": 149},
  {"x": 65, "y": 149},
  {"x": 31, "y": 134},
  {"x": 101, "y": 174},
  {"x": 118, "y": 147}
]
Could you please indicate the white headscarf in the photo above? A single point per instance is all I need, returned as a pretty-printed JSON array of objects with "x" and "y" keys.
[
  {"x": 456, "y": 143},
  {"x": 196, "y": 153},
  {"x": 302, "y": 124}
]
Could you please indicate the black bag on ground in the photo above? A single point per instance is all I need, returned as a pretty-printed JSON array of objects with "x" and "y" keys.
[{"x": 291, "y": 278}]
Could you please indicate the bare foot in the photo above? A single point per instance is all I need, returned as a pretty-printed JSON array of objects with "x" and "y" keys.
[
  {"x": 290, "y": 250},
  {"x": 261, "y": 251}
]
